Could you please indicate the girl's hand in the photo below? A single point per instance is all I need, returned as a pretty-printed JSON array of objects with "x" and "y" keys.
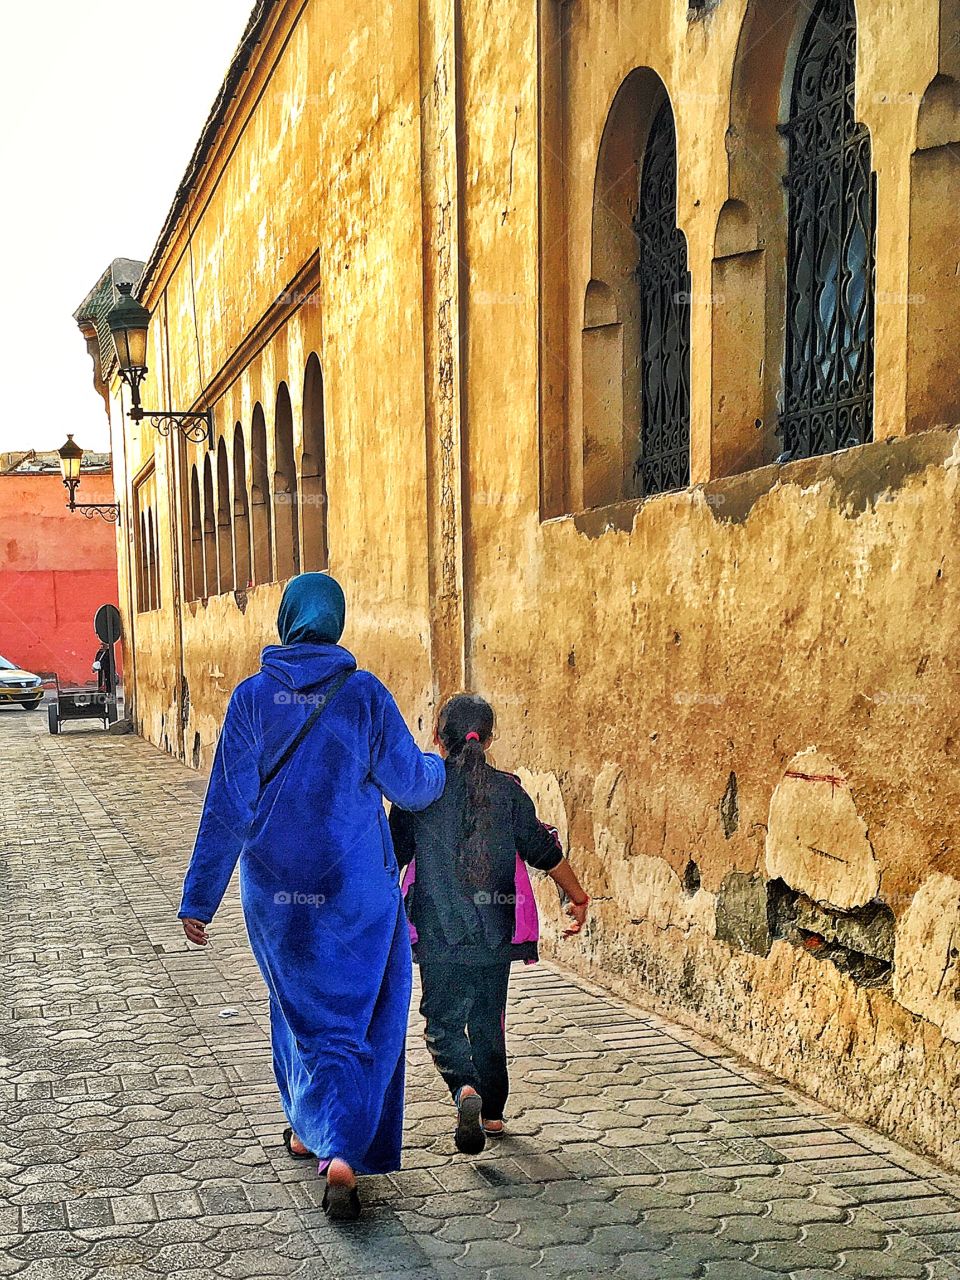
[
  {"x": 577, "y": 911},
  {"x": 196, "y": 931}
]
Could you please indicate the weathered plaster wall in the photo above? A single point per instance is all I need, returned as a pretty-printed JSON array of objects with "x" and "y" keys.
[
  {"x": 737, "y": 702},
  {"x": 754, "y": 677},
  {"x": 696, "y": 655}
]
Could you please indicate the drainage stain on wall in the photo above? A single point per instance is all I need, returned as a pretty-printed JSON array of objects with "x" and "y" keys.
[{"x": 730, "y": 808}]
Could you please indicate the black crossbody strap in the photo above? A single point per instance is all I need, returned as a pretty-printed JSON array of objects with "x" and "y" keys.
[{"x": 322, "y": 703}]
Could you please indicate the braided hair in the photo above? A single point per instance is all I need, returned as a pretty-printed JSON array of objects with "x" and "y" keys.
[{"x": 466, "y": 723}]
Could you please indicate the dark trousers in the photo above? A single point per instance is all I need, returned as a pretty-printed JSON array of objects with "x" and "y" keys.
[{"x": 465, "y": 1007}]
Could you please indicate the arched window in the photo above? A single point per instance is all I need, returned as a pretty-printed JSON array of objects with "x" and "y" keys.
[
  {"x": 224, "y": 530},
  {"x": 664, "y": 459},
  {"x": 285, "y": 521},
  {"x": 828, "y": 371},
  {"x": 143, "y": 590},
  {"x": 197, "y": 585},
  {"x": 260, "y": 500},
  {"x": 635, "y": 329},
  {"x": 241, "y": 511},
  {"x": 152, "y": 575},
  {"x": 155, "y": 558},
  {"x": 313, "y": 481},
  {"x": 209, "y": 531},
  {"x": 146, "y": 542}
]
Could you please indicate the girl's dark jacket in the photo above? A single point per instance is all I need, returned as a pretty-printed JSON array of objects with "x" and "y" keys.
[{"x": 472, "y": 923}]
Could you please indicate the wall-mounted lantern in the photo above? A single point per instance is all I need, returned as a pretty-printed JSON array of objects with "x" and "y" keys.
[
  {"x": 71, "y": 459},
  {"x": 128, "y": 321}
]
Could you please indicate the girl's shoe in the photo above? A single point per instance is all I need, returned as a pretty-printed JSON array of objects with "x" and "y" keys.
[
  {"x": 468, "y": 1136},
  {"x": 490, "y": 1132},
  {"x": 341, "y": 1199},
  {"x": 295, "y": 1155}
]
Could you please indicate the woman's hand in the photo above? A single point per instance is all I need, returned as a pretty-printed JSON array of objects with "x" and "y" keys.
[
  {"x": 196, "y": 931},
  {"x": 577, "y": 911}
]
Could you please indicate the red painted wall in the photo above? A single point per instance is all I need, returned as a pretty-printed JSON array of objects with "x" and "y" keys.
[{"x": 56, "y": 569}]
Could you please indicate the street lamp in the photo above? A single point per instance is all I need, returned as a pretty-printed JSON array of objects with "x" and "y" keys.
[
  {"x": 128, "y": 321},
  {"x": 71, "y": 459}
]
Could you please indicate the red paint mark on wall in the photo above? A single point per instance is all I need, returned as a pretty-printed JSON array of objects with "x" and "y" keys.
[{"x": 835, "y": 779}]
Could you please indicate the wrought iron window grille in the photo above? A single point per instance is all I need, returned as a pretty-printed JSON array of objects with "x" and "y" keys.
[
  {"x": 663, "y": 462},
  {"x": 831, "y": 229}
]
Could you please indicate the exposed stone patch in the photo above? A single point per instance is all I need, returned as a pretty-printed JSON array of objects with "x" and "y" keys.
[
  {"x": 817, "y": 843},
  {"x": 544, "y": 790},
  {"x": 927, "y": 976},
  {"x": 645, "y": 886},
  {"x": 612, "y": 820},
  {"x": 860, "y": 942},
  {"x": 648, "y": 889},
  {"x": 742, "y": 918}
]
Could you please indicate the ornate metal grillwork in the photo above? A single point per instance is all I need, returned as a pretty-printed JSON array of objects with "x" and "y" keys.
[
  {"x": 664, "y": 459},
  {"x": 828, "y": 392}
]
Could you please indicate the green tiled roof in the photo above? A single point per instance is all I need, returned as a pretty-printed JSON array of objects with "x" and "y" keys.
[{"x": 92, "y": 311}]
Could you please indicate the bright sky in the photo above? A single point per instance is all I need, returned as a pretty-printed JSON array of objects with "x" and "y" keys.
[{"x": 102, "y": 103}]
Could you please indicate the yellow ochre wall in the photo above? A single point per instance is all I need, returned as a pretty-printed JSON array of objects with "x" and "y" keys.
[{"x": 736, "y": 700}]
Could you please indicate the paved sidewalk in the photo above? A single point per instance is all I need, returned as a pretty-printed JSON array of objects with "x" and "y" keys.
[{"x": 140, "y": 1138}]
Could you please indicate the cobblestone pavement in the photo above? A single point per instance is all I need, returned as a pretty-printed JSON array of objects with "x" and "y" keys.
[{"x": 140, "y": 1137}]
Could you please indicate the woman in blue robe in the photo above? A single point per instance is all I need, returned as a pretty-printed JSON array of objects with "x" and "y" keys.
[{"x": 319, "y": 881}]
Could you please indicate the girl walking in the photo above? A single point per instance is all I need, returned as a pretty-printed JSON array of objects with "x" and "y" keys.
[{"x": 472, "y": 912}]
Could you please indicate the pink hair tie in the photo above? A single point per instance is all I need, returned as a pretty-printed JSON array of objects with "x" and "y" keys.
[{"x": 472, "y": 737}]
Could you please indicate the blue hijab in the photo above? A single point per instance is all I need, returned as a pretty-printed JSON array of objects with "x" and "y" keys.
[{"x": 312, "y": 610}]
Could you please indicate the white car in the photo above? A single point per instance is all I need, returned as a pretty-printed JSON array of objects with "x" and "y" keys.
[{"x": 19, "y": 686}]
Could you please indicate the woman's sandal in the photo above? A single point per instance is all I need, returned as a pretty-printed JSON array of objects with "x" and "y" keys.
[
  {"x": 468, "y": 1136},
  {"x": 296, "y": 1155},
  {"x": 341, "y": 1200}
]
